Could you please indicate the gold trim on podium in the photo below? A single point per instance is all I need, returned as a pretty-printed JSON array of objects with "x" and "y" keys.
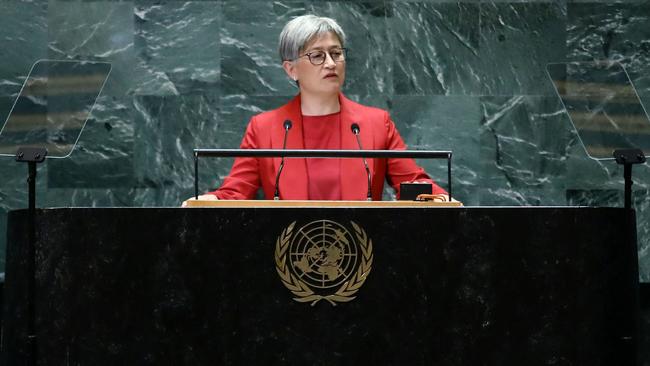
[{"x": 290, "y": 203}]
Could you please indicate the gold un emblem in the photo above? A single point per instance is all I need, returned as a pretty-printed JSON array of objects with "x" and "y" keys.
[{"x": 323, "y": 260}]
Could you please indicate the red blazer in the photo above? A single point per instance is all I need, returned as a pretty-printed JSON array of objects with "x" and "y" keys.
[{"x": 266, "y": 131}]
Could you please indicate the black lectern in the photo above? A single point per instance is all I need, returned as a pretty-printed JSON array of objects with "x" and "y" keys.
[{"x": 437, "y": 286}]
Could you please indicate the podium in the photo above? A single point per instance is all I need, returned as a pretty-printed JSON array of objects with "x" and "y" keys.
[{"x": 441, "y": 285}]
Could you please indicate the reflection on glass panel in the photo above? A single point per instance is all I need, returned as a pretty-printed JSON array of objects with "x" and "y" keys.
[
  {"x": 603, "y": 106},
  {"x": 53, "y": 106}
]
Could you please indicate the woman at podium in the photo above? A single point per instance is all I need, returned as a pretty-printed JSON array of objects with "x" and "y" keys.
[{"x": 313, "y": 54}]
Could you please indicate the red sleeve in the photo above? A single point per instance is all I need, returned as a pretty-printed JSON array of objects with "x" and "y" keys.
[
  {"x": 404, "y": 170},
  {"x": 244, "y": 180}
]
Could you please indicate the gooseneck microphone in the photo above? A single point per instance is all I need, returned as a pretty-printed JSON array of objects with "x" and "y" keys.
[
  {"x": 287, "y": 126},
  {"x": 355, "y": 131}
]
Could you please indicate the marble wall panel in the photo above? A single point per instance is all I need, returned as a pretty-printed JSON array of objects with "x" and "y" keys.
[
  {"x": 504, "y": 196},
  {"x": 90, "y": 197},
  {"x": 383, "y": 101},
  {"x": 167, "y": 128},
  {"x": 444, "y": 123},
  {"x": 177, "y": 47},
  {"x": 6, "y": 103},
  {"x": 250, "y": 63},
  {"x": 435, "y": 1},
  {"x": 609, "y": 1},
  {"x": 370, "y": 55},
  {"x": 524, "y": 142},
  {"x": 191, "y": 74},
  {"x": 436, "y": 48},
  {"x": 100, "y": 31},
  {"x": 614, "y": 31},
  {"x": 151, "y": 197},
  {"x": 559, "y": 2},
  {"x": 23, "y": 40},
  {"x": 517, "y": 40}
]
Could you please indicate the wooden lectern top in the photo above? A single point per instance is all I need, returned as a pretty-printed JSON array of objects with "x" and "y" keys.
[{"x": 304, "y": 203}]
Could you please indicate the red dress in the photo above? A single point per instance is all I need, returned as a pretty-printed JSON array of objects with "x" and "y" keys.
[{"x": 323, "y": 132}]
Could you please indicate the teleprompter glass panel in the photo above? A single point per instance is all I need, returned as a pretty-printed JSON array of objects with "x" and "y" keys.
[
  {"x": 53, "y": 106},
  {"x": 602, "y": 105}
]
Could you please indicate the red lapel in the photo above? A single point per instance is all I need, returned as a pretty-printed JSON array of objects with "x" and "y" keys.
[{"x": 353, "y": 173}]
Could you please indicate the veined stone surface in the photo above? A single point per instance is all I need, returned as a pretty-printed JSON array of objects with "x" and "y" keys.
[{"x": 462, "y": 75}]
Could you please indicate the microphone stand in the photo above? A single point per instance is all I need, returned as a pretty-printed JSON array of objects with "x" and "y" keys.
[
  {"x": 355, "y": 131},
  {"x": 276, "y": 194}
]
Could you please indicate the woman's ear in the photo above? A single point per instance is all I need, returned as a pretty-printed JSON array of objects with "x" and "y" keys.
[{"x": 290, "y": 68}]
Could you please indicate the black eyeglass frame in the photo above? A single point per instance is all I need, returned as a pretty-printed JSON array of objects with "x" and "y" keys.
[{"x": 308, "y": 54}]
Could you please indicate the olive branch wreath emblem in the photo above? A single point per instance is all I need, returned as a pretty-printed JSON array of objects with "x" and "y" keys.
[{"x": 302, "y": 291}]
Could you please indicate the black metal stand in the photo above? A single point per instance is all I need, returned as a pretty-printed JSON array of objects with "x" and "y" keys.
[
  {"x": 627, "y": 158},
  {"x": 31, "y": 156}
]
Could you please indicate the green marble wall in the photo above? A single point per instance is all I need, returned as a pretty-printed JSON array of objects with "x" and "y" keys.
[{"x": 467, "y": 76}]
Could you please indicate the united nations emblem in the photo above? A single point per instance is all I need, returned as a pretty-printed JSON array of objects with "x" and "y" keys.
[{"x": 323, "y": 260}]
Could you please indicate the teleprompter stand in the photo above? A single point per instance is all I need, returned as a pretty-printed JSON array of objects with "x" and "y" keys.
[
  {"x": 46, "y": 121},
  {"x": 627, "y": 158},
  {"x": 31, "y": 156}
]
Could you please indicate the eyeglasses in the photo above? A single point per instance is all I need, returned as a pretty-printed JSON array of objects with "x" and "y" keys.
[{"x": 318, "y": 57}]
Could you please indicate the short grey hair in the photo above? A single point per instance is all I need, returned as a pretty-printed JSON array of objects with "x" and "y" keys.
[{"x": 301, "y": 30}]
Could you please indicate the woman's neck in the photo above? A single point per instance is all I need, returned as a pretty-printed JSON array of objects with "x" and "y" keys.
[{"x": 318, "y": 105}]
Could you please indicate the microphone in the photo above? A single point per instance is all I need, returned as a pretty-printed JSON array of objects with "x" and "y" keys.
[
  {"x": 355, "y": 131},
  {"x": 287, "y": 126}
]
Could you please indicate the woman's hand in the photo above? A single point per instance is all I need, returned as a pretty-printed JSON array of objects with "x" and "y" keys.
[{"x": 203, "y": 197}]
